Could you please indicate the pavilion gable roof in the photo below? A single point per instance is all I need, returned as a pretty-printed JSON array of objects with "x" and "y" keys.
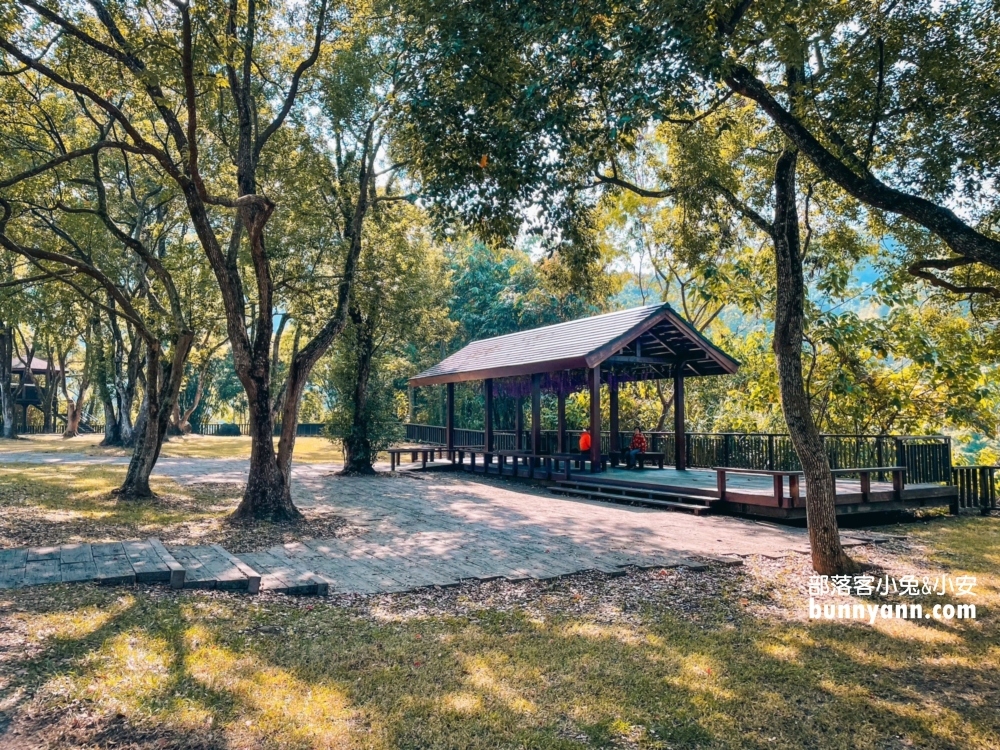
[
  {"x": 38, "y": 366},
  {"x": 581, "y": 343}
]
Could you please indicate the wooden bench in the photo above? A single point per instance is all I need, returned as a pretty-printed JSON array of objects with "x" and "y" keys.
[
  {"x": 622, "y": 456},
  {"x": 424, "y": 452},
  {"x": 778, "y": 478},
  {"x": 794, "y": 498},
  {"x": 579, "y": 459},
  {"x": 539, "y": 466},
  {"x": 865, "y": 476}
]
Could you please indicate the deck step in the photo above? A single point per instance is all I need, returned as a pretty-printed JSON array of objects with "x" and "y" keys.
[
  {"x": 697, "y": 509},
  {"x": 639, "y": 493},
  {"x": 210, "y": 567}
]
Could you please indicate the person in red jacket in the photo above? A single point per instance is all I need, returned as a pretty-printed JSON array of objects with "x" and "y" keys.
[
  {"x": 585, "y": 441},
  {"x": 637, "y": 446}
]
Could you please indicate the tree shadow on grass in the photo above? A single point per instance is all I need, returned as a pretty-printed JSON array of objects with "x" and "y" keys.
[
  {"x": 726, "y": 679},
  {"x": 635, "y": 670},
  {"x": 40, "y": 506},
  {"x": 104, "y": 651}
]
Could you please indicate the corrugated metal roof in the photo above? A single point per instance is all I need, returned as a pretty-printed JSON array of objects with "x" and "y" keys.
[{"x": 574, "y": 344}]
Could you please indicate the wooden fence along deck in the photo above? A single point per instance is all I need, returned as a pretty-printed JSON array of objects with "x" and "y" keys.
[
  {"x": 873, "y": 472},
  {"x": 926, "y": 458}
]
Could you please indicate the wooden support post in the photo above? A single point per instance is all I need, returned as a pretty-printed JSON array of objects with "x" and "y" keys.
[
  {"x": 488, "y": 419},
  {"x": 519, "y": 424},
  {"x": 561, "y": 423},
  {"x": 450, "y": 421},
  {"x": 595, "y": 419},
  {"x": 536, "y": 415},
  {"x": 613, "y": 443},
  {"x": 680, "y": 444}
]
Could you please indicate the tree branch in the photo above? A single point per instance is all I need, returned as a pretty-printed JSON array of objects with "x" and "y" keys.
[
  {"x": 69, "y": 156},
  {"x": 919, "y": 270},
  {"x": 293, "y": 89},
  {"x": 613, "y": 179},
  {"x": 959, "y": 236}
]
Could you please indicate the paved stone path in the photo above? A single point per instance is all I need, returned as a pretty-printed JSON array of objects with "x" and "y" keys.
[{"x": 439, "y": 528}]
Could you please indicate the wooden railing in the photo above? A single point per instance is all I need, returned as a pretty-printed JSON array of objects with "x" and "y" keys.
[
  {"x": 977, "y": 487},
  {"x": 213, "y": 429},
  {"x": 927, "y": 458},
  {"x": 304, "y": 429},
  {"x": 58, "y": 429}
]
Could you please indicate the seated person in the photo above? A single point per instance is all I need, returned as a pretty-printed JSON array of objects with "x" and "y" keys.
[
  {"x": 637, "y": 446},
  {"x": 585, "y": 442}
]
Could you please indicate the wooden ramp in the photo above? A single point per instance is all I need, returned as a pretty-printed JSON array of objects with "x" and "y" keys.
[{"x": 108, "y": 563}]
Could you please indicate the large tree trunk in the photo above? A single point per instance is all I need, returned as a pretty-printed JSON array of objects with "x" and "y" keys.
[
  {"x": 179, "y": 424},
  {"x": 828, "y": 556},
  {"x": 6, "y": 394},
  {"x": 74, "y": 406},
  {"x": 163, "y": 383},
  {"x": 358, "y": 458},
  {"x": 666, "y": 406},
  {"x": 180, "y": 417},
  {"x": 127, "y": 384},
  {"x": 103, "y": 377},
  {"x": 49, "y": 407},
  {"x": 112, "y": 430},
  {"x": 126, "y": 429},
  {"x": 268, "y": 495},
  {"x": 74, "y": 412}
]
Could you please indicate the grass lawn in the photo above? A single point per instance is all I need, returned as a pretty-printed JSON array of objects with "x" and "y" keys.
[
  {"x": 657, "y": 659},
  {"x": 307, "y": 449}
]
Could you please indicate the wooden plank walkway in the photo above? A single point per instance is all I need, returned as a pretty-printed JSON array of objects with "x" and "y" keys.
[{"x": 315, "y": 566}]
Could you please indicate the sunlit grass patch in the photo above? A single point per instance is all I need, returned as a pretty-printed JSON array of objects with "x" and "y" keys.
[
  {"x": 76, "y": 623},
  {"x": 285, "y": 673},
  {"x": 275, "y": 702},
  {"x": 55, "y": 504},
  {"x": 76, "y": 494},
  {"x": 307, "y": 449},
  {"x": 88, "y": 445},
  {"x": 545, "y": 672}
]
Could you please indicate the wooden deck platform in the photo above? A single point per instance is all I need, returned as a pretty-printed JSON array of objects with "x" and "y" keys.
[
  {"x": 772, "y": 494},
  {"x": 759, "y": 494}
]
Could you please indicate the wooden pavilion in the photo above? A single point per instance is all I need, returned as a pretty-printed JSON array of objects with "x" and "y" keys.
[
  {"x": 642, "y": 343},
  {"x": 747, "y": 474},
  {"x": 26, "y": 383}
]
